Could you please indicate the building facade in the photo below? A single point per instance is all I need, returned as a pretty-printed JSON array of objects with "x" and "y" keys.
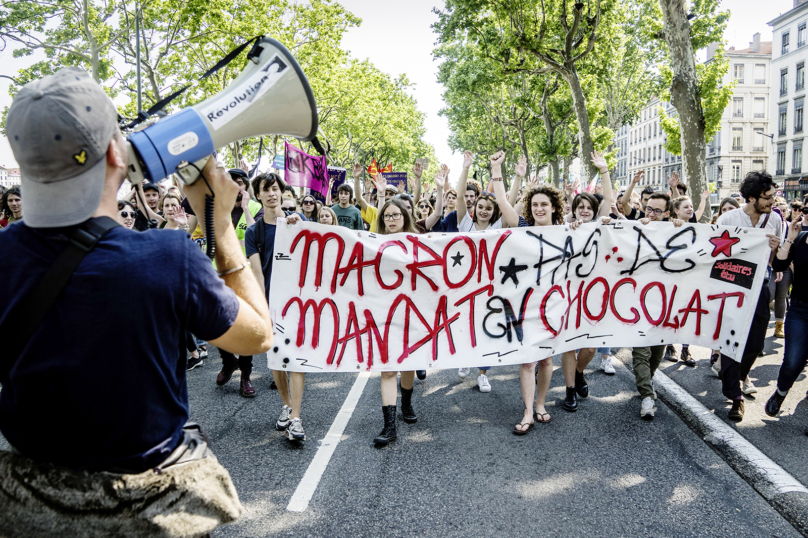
[
  {"x": 741, "y": 145},
  {"x": 645, "y": 147},
  {"x": 787, "y": 99},
  {"x": 620, "y": 172},
  {"x": 14, "y": 177}
]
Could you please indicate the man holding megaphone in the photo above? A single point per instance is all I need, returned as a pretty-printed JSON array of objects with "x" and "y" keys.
[{"x": 111, "y": 399}]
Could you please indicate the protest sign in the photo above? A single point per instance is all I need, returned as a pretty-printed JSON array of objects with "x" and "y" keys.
[
  {"x": 279, "y": 163},
  {"x": 304, "y": 170},
  {"x": 396, "y": 178},
  {"x": 344, "y": 301},
  {"x": 337, "y": 177}
]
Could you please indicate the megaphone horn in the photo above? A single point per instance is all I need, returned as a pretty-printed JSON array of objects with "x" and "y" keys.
[{"x": 272, "y": 87}]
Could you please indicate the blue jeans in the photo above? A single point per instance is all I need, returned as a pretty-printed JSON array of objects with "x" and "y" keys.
[
  {"x": 796, "y": 347},
  {"x": 604, "y": 350}
]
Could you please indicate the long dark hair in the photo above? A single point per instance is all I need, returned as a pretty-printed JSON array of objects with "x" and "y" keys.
[
  {"x": 4, "y": 200},
  {"x": 409, "y": 221},
  {"x": 315, "y": 213}
]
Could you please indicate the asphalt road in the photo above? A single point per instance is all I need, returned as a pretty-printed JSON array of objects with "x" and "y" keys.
[{"x": 459, "y": 471}]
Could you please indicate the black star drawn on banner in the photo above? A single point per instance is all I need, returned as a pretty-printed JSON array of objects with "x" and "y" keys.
[
  {"x": 457, "y": 257},
  {"x": 510, "y": 271}
]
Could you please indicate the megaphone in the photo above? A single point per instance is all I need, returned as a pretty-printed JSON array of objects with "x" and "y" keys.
[{"x": 270, "y": 97}]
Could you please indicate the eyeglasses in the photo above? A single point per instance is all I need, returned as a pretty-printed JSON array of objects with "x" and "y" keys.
[
  {"x": 393, "y": 216},
  {"x": 308, "y": 202},
  {"x": 651, "y": 211},
  {"x": 127, "y": 214},
  {"x": 423, "y": 206}
]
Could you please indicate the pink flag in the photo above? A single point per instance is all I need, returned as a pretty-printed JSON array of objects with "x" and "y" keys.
[{"x": 304, "y": 170}]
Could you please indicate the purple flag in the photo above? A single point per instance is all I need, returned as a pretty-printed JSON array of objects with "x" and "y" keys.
[{"x": 304, "y": 170}]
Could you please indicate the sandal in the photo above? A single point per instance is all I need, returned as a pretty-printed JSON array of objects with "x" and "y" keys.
[
  {"x": 518, "y": 431},
  {"x": 542, "y": 420}
]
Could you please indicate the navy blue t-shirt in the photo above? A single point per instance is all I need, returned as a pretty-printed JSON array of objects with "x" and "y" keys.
[
  {"x": 448, "y": 224},
  {"x": 101, "y": 384},
  {"x": 269, "y": 246}
]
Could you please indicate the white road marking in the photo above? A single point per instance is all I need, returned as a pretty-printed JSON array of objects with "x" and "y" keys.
[
  {"x": 308, "y": 485},
  {"x": 768, "y": 478}
]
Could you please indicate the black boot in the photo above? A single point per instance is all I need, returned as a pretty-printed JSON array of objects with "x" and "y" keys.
[
  {"x": 687, "y": 358},
  {"x": 570, "y": 402},
  {"x": 670, "y": 353},
  {"x": 407, "y": 412},
  {"x": 581, "y": 385},
  {"x": 389, "y": 432}
]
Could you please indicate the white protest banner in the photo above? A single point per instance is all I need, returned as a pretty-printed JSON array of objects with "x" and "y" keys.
[{"x": 343, "y": 301}]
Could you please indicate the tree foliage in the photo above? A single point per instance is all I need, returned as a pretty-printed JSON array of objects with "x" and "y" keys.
[
  {"x": 707, "y": 27},
  {"x": 364, "y": 112}
]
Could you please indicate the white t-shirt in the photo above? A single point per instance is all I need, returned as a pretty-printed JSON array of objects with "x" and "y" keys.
[
  {"x": 738, "y": 217},
  {"x": 467, "y": 225}
]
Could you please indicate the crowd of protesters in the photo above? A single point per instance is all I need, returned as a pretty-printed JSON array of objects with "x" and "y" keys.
[{"x": 378, "y": 207}]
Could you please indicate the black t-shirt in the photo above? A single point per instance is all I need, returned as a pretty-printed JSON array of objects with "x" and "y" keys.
[
  {"x": 142, "y": 222},
  {"x": 101, "y": 383},
  {"x": 635, "y": 214},
  {"x": 269, "y": 247},
  {"x": 797, "y": 254}
]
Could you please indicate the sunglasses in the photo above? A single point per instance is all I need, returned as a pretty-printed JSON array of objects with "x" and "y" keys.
[
  {"x": 127, "y": 214},
  {"x": 423, "y": 206},
  {"x": 308, "y": 202}
]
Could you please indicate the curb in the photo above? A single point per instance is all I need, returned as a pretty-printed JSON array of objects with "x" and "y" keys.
[{"x": 781, "y": 490}]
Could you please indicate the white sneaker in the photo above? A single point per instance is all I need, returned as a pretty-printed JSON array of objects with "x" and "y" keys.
[
  {"x": 283, "y": 420},
  {"x": 648, "y": 408},
  {"x": 462, "y": 373},
  {"x": 295, "y": 430},
  {"x": 606, "y": 366},
  {"x": 483, "y": 384},
  {"x": 748, "y": 388}
]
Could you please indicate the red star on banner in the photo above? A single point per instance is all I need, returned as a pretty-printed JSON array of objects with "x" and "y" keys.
[{"x": 723, "y": 244}]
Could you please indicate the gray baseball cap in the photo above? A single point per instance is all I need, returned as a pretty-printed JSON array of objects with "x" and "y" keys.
[{"x": 59, "y": 128}]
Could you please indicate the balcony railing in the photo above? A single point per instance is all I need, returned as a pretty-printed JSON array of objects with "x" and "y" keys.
[
  {"x": 779, "y": 172},
  {"x": 783, "y": 91},
  {"x": 737, "y": 148},
  {"x": 758, "y": 148},
  {"x": 760, "y": 114},
  {"x": 800, "y": 86},
  {"x": 737, "y": 114},
  {"x": 781, "y": 132},
  {"x": 796, "y": 170},
  {"x": 760, "y": 81}
]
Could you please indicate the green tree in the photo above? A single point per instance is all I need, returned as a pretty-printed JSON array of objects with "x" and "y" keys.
[
  {"x": 539, "y": 37},
  {"x": 694, "y": 90}
]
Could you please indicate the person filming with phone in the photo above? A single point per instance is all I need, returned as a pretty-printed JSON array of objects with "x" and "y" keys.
[{"x": 100, "y": 419}]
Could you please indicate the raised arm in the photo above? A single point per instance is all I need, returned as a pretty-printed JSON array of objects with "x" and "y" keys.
[
  {"x": 468, "y": 158},
  {"x": 417, "y": 171},
  {"x": 142, "y": 206},
  {"x": 703, "y": 204},
  {"x": 673, "y": 181},
  {"x": 509, "y": 216},
  {"x": 357, "y": 187},
  {"x": 630, "y": 191},
  {"x": 521, "y": 170},
  {"x": 381, "y": 191},
  {"x": 440, "y": 181},
  {"x": 599, "y": 161}
]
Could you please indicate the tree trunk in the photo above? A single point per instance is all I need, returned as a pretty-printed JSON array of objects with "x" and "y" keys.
[
  {"x": 565, "y": 177},
  {"x": 584, "y": 134},
  {"x": 555, "y": 173},
  {"x": 686, "y": 98}
]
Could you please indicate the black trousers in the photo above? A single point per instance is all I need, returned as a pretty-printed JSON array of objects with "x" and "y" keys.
[
  {"x": 244, "y": 361},
  {"x": 733, "y": 373}
]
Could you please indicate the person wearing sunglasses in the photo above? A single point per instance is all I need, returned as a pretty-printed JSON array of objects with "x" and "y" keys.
[
  {"x": 309, "y": 208},
  {"x": 425, "y": 208},
  {"x": 126, "y": 214}
]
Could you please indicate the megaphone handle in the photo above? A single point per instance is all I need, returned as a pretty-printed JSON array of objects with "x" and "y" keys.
[{"x": 210, "y": 236}]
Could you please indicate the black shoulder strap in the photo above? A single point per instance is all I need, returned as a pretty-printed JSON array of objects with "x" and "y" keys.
[
  {"x": 29, "y": 313},
  {"x": 260, "y": 234}
]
